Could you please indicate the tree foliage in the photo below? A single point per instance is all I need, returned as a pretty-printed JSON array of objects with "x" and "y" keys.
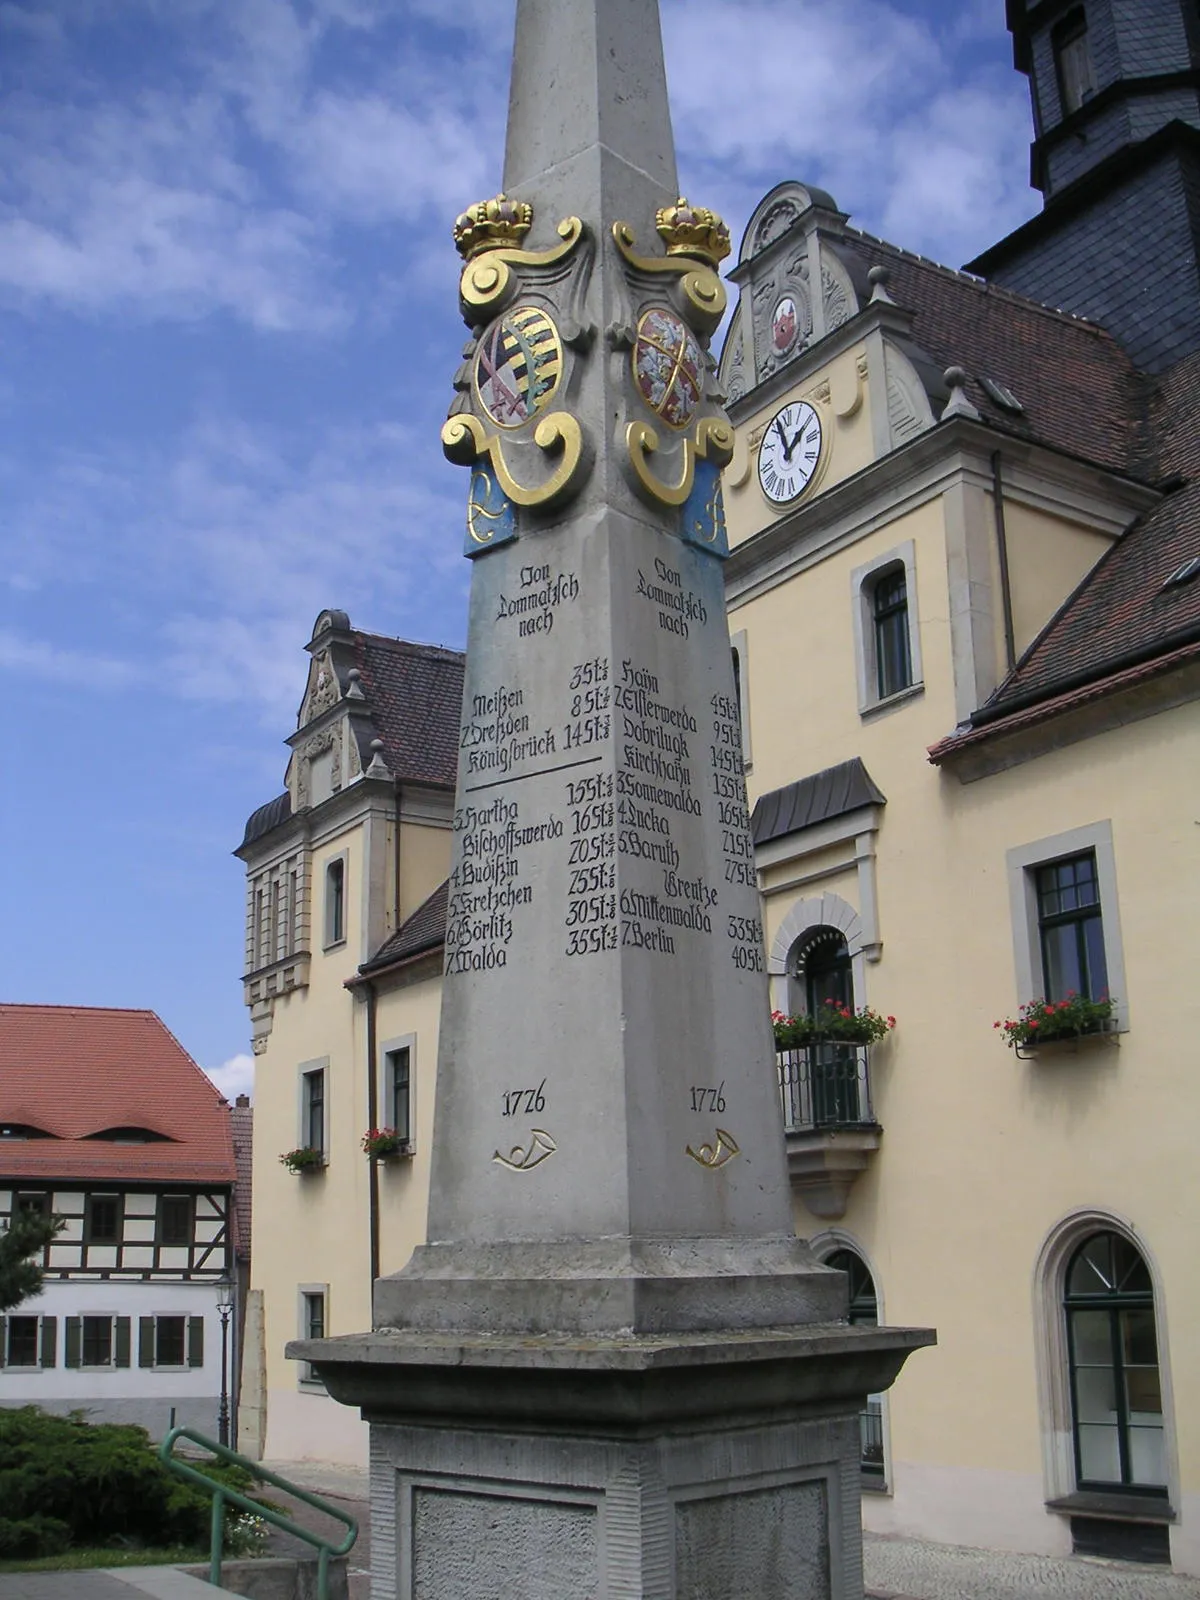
[{"x": 27, "y": 1235}]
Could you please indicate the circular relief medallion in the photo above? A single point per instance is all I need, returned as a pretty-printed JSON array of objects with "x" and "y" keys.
[
  {"x": 518, "y": 365},
  {"x": 785, "y": 324},
  {"x": 668, "y": 366}
]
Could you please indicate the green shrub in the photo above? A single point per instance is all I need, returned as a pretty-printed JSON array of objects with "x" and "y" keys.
[
  {"x": 25, "y": 1538},
  {"x": 93, "y": 1483}
]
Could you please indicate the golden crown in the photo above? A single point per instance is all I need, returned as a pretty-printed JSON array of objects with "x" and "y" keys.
[
  {"x": 495, "y": 224},
  {"x": 688, "y": 230}
]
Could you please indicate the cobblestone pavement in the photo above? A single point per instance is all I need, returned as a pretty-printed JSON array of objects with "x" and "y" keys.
[{"x": 909, "y": 1569}]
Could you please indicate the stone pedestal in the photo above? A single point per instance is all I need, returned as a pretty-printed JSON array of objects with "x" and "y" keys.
[{"x": 708, "y": 1466}]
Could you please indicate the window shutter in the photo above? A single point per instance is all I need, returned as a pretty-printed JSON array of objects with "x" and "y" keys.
[
  {"x": 122, "y": 1342},
  {"x": 49, "y": 1341},
  {"x": 195, "y": 1341},
  {"x": 74, "y": 1338},
  {"x": 3, "y": 1338},
  {"x": 145, "y": 1341}
]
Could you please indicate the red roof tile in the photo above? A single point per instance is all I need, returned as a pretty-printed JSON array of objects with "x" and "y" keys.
[
  {"x": 414, "y": 692},
  {"x": 1080, "y": 392},
  {"x": 73, "y": 1071}
]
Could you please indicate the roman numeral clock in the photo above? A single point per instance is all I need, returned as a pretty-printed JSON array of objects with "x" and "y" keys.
[{"x": 789, "y": 452}]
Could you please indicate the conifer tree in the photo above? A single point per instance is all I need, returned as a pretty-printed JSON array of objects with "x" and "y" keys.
[{"x": 26, "y": 1236}]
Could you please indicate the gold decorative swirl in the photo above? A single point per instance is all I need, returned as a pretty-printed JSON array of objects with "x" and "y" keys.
[
  {"x": 700, "y": 283},
  {"x": 714, "y": 441},
  {"x": 465, "y": 439},
  {"x": 714, "y": 1156},
  {"x": 488, "y": 278}
]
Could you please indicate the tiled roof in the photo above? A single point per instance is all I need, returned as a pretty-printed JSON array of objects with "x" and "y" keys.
[
  {"x": 1079, "y": 390},
  {"x": 73, "y": 1071},
  {"x": 241, "y": 1124},
  {"x": 422, "y": 933},
  {"x": 414, "y": 693},
  {"x": 821, "y": 795}
]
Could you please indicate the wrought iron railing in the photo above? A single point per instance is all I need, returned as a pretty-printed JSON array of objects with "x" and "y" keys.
[
  {"x": 222, "y": 1494},
  {"x": 825, "y": 1085}
]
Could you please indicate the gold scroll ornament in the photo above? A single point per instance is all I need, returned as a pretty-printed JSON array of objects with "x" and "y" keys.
[
  {"x": 465, "y": 440},
  {"x": 713, "y": 440},
  {"x": 488, "y": 235}
]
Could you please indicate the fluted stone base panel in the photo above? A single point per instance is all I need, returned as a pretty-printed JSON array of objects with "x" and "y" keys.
[{"x": 763, "y": 1510}]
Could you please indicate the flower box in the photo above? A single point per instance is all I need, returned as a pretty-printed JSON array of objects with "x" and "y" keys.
[
  {"x": 385, "y": 1144},
  {"x": 304, "y": 1160},
  {"x": 830, "y": 1024},
  {"x": 1043, "y": 1024}
]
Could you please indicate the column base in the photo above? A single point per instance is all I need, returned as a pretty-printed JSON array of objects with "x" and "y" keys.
[{"x": 706, "y": 1466}]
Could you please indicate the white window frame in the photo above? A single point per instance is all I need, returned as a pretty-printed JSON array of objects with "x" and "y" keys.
[
  {"x": 303, "y": 1072},
  {"x": 403, "y": 1041},
  {"x": 328, "y": 942},
  {"x": 862, "y": 589},
  {"x": 1022, "y": 863},
  {"x": 307, "y": 1378},
  {"x": 39, "y": 1363}
]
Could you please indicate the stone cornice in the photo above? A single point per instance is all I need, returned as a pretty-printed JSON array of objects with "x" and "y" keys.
[{"x": 951, "y": 452}]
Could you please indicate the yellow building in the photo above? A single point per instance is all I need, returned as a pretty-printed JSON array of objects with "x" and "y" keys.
[{"x": 965, "y": 609}]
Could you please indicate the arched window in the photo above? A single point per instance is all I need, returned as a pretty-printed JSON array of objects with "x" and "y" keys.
[
  {"x": 864, "y": 1308},
  {"x": 821, "y": 971},
  {"x": 1112, "y": 1345}
]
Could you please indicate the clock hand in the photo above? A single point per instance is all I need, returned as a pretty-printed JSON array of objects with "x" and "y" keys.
[{"x": 787, "y": 454}]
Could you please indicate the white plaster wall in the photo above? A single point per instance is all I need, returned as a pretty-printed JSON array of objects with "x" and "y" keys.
[
  {"x": 968, "y": 1505},
  {"x": 306, "y": 1425}
]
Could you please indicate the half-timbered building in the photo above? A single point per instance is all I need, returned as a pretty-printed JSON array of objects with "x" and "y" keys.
[{"x": 107, "y": 1123}]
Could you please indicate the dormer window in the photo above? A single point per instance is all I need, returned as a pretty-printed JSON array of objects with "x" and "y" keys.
[
  {"x": 22, "y": 1130},
  {"x": 1073, "y": 61}
]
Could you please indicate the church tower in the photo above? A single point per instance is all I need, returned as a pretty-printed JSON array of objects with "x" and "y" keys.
[{"x": 1115, "y": 89}]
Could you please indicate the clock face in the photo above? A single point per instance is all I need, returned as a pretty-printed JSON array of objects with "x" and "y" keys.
[{"x": 789, "y": 452}]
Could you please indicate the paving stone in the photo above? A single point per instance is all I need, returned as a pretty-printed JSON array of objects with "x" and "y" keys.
[{"x": 910, "y": 1569}]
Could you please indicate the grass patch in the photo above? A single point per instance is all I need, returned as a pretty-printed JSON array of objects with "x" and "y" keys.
[{"x": 93, "y": 1556}]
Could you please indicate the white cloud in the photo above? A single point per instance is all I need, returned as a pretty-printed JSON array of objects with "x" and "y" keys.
[
  {"x": 234, "y": 1077},
  {"x": 38, "y": 661}
]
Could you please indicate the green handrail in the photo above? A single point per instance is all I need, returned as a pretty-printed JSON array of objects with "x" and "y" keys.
[{"x": 221, "y": 1492}]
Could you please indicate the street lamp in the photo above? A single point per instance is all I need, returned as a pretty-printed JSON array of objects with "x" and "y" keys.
[{"x": 224, "y": 1311}]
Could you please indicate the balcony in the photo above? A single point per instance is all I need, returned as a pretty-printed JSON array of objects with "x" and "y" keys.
[{"x": 828, "y": 1121}]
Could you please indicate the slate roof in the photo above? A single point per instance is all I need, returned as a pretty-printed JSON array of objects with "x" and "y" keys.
[
  {"x": 1079, "y": 390},
  {"x": 821, "y": 795},
  {"x": 414, "y": 694},
  {"x": 74, "y": 1071},
  {"x": 267, "y": 817},
  {"x": 421, "y": 934}
]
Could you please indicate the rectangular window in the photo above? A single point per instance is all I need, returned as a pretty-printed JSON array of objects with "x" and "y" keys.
[
  {"x": 1071, "y": 929},
  {"x": 335, "y": 901},
  {"x": 893, "y": 660},
  {"x": 170, "y": 1341},
  {"x": 399, "y": 1089},
  {"x": 1073, "y": 61},
  {"x": 102, "y": 1219},
  {"x": 175, "y": 1219},
  {"x": 97, "y": 1343},
  {"x": 314, "y": 1109},
  {"x": 22, "y": 1342},
  {"x": 313, "y": 1325},
  {"x": 33, "y": 1202}
]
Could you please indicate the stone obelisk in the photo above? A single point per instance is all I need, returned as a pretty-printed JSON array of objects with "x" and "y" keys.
[{"x": 613, "y": 1369}]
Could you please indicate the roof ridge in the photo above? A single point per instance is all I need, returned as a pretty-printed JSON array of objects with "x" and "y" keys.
[
  {"x": 415, "y": 645},
  {"x": 51, "y": 1005},
  {"x": 1055, "y": 312}
]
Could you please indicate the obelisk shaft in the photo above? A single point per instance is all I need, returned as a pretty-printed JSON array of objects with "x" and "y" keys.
[{"x": 608, "y": 1149}]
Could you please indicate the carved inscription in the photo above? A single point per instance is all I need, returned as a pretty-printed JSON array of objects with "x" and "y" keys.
[
  {"x": 486, "y": 891},
  {"x": 677, "y": 607},
  {"x": 539, "y": 596}
]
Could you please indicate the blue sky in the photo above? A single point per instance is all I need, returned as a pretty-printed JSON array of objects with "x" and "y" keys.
[{"x": 227, "y": 331}]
